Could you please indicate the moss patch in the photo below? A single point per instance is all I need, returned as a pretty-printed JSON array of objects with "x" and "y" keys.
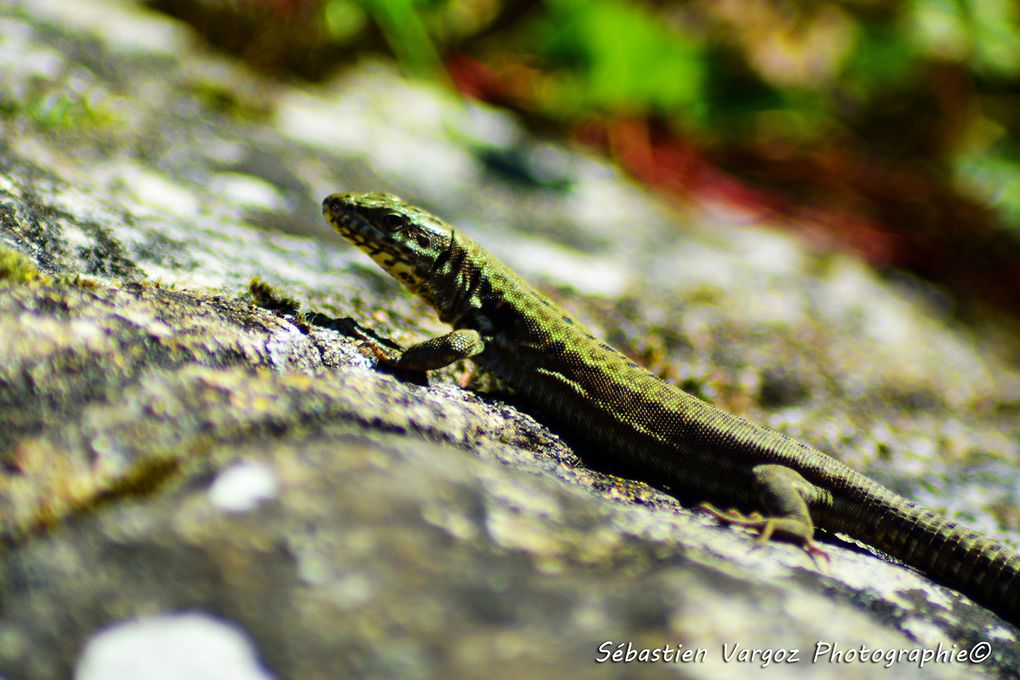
[
  {"x": 17, "y": 269},
  {"x": 267, "y": 297}
]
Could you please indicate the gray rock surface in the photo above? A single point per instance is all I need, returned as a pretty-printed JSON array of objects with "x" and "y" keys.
[{"x": 193, "y": 463}]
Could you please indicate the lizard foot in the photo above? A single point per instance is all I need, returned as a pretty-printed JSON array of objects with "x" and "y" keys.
[{"x": 782, "y": 528}]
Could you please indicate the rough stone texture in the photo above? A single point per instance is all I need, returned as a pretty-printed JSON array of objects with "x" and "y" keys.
[{"x": 178, "y": 459}]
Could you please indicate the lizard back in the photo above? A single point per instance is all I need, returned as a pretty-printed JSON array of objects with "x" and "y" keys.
[{"x": 589, "y": 390}]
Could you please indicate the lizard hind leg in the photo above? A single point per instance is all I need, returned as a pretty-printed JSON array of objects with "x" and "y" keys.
[{"x": 784, "y": 495}]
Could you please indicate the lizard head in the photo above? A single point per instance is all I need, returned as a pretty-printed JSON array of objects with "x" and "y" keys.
[{"x": 406, "y": 241}]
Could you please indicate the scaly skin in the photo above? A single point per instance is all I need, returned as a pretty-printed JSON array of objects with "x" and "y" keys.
[{"x": 597, "y": 395}]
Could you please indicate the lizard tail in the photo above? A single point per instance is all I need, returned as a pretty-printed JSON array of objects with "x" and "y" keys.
[{"x": 952, "y": 554}]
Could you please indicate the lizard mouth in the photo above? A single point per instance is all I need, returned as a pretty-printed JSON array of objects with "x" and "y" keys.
[
  {"x": 362, "y": 233},
  {"x": 352, "y": 226},
  {"x": 343, "y": 219}
]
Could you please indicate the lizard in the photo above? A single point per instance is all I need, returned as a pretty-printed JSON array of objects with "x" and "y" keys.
[{"x": 591, "y": 391}]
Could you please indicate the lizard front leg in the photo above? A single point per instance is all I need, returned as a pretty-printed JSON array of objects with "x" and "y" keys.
[{"x": 433, "y": 353}]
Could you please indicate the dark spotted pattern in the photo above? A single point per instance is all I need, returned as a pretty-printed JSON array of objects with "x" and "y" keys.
[{"x": 593, "y": 392}]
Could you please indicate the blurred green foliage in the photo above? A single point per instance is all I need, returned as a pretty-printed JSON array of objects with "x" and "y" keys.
[
  {"x": 403, "y": 28},
  {"x": 612, "y": 56},
  {"x": 933, "y": 82},
  {"x": 981, "y": 33}
]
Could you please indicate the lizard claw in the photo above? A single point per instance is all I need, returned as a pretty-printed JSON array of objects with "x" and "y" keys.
[
  {"x": 733, "y": 516},
  {"x": 767, "y": 527},
  {"x": 814, "y": 552},
  {"x": 376, "y": 352}
]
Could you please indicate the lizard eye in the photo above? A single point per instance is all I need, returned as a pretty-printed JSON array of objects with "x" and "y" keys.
[{"x": 393, "y": 222}]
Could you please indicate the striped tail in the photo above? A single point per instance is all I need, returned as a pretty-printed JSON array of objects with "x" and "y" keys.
[{"x": 986, "y": 571}]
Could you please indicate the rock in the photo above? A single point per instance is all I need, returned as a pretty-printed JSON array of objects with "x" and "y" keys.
[{"x": 189, "y": 455}]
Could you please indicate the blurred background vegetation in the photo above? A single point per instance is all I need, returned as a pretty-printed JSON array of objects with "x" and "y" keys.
[{"x": 890, "y": 128}]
